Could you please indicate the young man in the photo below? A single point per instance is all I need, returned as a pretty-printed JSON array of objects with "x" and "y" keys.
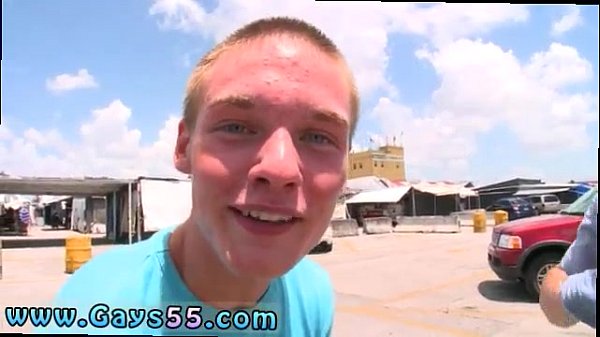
[
  {"x": 568, "y": 294},
  {"x": 269, "y": 115}
]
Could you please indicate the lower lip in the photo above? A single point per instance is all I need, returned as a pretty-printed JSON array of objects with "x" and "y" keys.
[{"x": 258, "y": 227}]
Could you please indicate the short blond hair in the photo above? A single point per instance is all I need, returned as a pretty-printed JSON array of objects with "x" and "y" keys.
[{"x": 254, "y": 30}]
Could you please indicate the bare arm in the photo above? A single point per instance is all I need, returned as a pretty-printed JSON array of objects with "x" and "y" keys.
[
  {"x": 568, "y": 293},
  {"x": 551, "y": 302}
]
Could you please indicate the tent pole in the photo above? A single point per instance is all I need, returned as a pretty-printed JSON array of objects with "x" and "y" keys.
[
  {"x": 114, "y": 216},
  {"x": 129, "y": 220},
  {"x": 137, "y": 212},
  {"x": 414, "y": 207}
]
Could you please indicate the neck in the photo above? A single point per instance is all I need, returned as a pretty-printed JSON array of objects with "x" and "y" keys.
[{"x": 206, "y": 275}]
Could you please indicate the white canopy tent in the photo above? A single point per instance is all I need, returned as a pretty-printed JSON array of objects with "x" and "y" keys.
[{"x": 386, "y": 195}]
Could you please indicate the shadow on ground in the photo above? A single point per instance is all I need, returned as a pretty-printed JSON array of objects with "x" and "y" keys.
[
  {"x": 10, "y": 234},
  {"x": 55, "y": 229},
  {"x": 29, "y": 242},
  {"x": 502, "y": 291}
]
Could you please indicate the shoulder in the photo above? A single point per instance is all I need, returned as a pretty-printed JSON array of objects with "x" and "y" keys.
[
  {"x": 590, "y": 220},
  {"x": 117, "y": 278},
  {"x": 593, "y": 209},
  {"x": 310, "y": 291},
  {"x": 112, "y": 274},
  {"x": 309, "y": 269}
]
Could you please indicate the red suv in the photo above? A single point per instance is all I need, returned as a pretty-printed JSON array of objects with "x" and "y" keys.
[{"x": 525, "y": 249}]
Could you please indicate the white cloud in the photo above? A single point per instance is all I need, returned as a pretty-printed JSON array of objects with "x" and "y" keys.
[
  {"x": 570, "y": 20},
  {"x": 68, "y": 82},
  {"x": 355, "y": 26},
  {"x": 483, "y": 86},
  {"x": 5, "y": 133},
  {"x": 430, "y": 141},
  {"x": 184, "y": 15},
  {"x": 559, "y": 66},
  {"x": 107, "y": 147}
]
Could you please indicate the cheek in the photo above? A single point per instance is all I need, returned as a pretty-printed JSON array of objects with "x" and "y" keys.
[
  {"x": 216, "y": 166},
  {"x": 214, "y": 180},
  {"x": 324, "y": 190},
  {"x": 327, "y": 174}
]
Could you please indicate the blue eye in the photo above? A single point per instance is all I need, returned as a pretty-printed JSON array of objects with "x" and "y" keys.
[
  {"x": 317, "y": 138},
  {"x": 235, "y": 128}
]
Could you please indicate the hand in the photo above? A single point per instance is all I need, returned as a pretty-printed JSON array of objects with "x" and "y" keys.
[{"x": 551, "y": 302}]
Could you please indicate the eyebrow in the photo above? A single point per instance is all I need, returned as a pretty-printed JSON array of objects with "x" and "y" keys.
[
  {"x": 246, "y": 103},
  {"x": 238, "y": 101},
  {"x": 328, "y": 117}
]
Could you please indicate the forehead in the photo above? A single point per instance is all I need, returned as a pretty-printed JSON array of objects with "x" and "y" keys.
[{"x": 280, "y": 69}]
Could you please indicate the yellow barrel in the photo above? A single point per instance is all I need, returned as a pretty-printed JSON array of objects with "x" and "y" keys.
[
  {"x": 500, "y": 217},
  {"x": 479, "y": 222},
  {"x": 78, "y": 250}
]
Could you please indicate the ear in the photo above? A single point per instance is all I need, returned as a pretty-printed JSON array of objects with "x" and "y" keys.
[{"x": 182, "y": 158}]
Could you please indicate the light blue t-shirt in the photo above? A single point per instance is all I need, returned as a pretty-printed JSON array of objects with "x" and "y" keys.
[
  {"x": 578, "y": 292},
  {"x": 142, "y": 277}
]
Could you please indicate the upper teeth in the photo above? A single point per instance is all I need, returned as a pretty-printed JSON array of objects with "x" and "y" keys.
[{"x": 267, "y": 216}]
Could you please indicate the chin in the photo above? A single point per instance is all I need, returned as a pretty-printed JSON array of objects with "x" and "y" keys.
[{"x": 258, "y": 263}]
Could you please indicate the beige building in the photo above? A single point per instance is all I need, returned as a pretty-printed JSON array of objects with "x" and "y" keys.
[{"x": 386, "y": 162}]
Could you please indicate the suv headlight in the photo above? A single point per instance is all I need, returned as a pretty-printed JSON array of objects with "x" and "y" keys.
[{"x": 510, "y": 242}]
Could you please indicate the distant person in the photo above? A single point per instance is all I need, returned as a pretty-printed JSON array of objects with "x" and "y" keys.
[
  {"x": 568, "y": 294},
  {"x": 268, "y": 118},
  {"x": 24, "y": 218}
]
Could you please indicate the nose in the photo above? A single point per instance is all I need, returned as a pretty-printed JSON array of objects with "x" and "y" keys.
[{"x": 278, "y": 164}]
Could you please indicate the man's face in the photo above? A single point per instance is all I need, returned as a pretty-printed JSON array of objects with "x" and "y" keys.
[{"x": 268, "y": 153}]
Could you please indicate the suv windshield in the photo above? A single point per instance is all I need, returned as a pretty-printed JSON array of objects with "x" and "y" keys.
[
  {"x": 582, "y": 203},
  {"x": 519, "y": 201}
]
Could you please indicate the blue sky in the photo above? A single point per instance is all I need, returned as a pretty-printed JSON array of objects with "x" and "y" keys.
[{"x": 478, "y": 93}]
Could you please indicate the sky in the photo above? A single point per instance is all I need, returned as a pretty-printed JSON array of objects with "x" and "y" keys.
[{"x": 478, "y": 92}]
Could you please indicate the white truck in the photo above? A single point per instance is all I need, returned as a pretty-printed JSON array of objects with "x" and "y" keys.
[{"x": 326, "y": 243}]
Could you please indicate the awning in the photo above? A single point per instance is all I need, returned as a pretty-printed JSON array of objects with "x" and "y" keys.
[
  {"x": 61, "y": 186},
  {"x": 382, "y": 196},
  {"x": 445, "y": 189},
  {"x": 541, "y": 191},
  {"x": 581, "y": 189},
  {"x": 368, "y": 183},
  {"x": 49, "y": 199}
]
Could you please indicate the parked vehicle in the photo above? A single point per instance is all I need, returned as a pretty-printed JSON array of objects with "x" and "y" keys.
[
  {"x": 545, "y": 203},
  {"x": 326, "y": 243},
  {"x": 524, "y": 250},
  {"x": 516, "y": 207}
]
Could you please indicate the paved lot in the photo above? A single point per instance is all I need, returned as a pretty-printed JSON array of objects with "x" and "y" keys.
[{"x": 386, "y": 285}]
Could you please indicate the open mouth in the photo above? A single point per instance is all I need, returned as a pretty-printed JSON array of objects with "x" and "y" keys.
[{"x": 266, "y": 217}]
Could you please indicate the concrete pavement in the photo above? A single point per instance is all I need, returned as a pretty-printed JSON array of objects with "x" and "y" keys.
[{"x": 386, "y": 285}]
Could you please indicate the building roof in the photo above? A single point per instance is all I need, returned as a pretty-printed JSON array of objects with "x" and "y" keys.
[
  {"x": 509, "y": 183},
  {"x": 368, "y": 183},
  {"x": 541, "y": 191},
  {"x": 445, "y": 188},
  {"x": 61, "y": 186},
  {"x": 382, "y": 196}
]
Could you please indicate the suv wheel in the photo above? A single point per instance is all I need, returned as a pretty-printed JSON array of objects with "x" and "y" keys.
[{"x": 537, "y": 270}]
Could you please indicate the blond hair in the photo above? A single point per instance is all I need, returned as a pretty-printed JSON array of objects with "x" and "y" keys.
[{"x": 254, "y": 30}]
